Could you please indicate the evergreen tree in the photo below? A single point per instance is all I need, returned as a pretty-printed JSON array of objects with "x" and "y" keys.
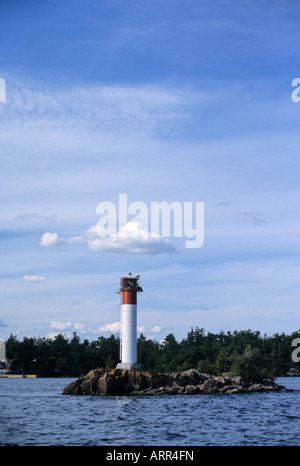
[{"x": 244, "y": 353}]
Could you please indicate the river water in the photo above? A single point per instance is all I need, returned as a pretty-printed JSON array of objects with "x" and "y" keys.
[{"x": 34, "y": 412}]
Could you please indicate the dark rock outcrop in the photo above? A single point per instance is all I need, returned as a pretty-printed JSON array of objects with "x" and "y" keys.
[
  {"x": 74, "y": 388},
  {"x": 133, "y": 382}
]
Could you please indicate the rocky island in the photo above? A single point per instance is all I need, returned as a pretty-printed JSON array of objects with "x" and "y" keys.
[{"x": 190, "y": 382}]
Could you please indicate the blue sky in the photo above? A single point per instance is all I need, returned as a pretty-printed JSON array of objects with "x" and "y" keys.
[{"x": 186, "y": 101}]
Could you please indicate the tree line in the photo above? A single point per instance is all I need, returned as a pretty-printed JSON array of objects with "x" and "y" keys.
[{"x": 245, "y": 353}]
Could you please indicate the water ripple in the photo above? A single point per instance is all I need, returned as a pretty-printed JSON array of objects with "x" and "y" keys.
[{"x": 34, "y": 412}]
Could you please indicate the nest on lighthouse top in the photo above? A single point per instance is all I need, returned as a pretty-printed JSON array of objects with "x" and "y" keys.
[{"x": 130, "y": 283}]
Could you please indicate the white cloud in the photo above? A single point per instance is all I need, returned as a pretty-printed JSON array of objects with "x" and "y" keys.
[
  {"x": 81, "y": 329},
  {"x": 156, "y": 329},
  {"x": 114, "y": 328},
  {"x": 145, "y": 330},
  {"x": 142, "y": 329},
  {"x": 33, "y": 278},
  {"x": 57, "y": 325},
  {"x": 131, "y": 238},
  {"x": 49, "y": 239},
  {"x": 71, "y": 327},
  {"x": 78, "y": 327}
]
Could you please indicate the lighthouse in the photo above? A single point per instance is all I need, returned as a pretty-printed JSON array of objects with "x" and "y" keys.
[{"x": 129, "y": 288}]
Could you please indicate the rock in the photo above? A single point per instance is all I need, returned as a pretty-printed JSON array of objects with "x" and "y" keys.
[
  {"x": 173, "y": 390},
  {"x": 220, "y": 382},
  {"x": 232, "y": 390},
  {"x": 256, "y": 387},
  {"x": 175, "y": 385},
  {"x": 158, "y": 380},
  {"x": 114, "y": 382},
  {"x": 143, "y": 381},
  {"x": 102, "y": 384},
  {"x": 122, "y": 382},
  {"x": 242, "y": 389},
  {"x": 190, "y": 377},
  {"x": 269, "y": 389},
  {"x": 175, "y": 375},
  {"x": 150, "y": 391},
  {"x": 89, "y": 387},
  {"x": 74, "y": 388},
  {"x": 204, "y": 377},
  {"x": 208, "y": 387},
  {"x": 236, "y": 380},
  {"x": 226, "y": 388},
  {"x": 90, "y": 383},
  {"x": 134, "y": 382},
  {"x": 191, "y": 390},
  {"x": 95, "y": 374}
]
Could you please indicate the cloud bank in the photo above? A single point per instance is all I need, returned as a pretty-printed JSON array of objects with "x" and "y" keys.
[
  {"x": 131, "y": 239},
  {"x": 33, "y": 278},
  {"x": 51, "y": 239},
  {"x": 145, "y": 108},
  {"x": 112, "y": 328}
]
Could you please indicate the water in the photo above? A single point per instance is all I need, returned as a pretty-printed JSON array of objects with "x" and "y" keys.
[{"x": 34, "y": 412}]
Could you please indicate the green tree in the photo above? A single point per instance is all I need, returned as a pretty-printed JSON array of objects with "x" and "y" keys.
[
  {"x": 147, "y": 353},
  {"x": 250, "y": 365},
  {"x": 169, "y": 354},
  {"x": 245, "y": 353},
  {"x": 223, "y": 361}
]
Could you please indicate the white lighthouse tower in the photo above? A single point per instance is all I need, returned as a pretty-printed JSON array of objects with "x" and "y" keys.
[{"x": 129, "y": 287}]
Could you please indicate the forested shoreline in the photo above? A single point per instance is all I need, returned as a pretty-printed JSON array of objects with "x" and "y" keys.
[{"x": 245, "y": 353}]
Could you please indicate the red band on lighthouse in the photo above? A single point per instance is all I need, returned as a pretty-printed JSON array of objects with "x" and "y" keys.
[{"x": 128, "y": 296}]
